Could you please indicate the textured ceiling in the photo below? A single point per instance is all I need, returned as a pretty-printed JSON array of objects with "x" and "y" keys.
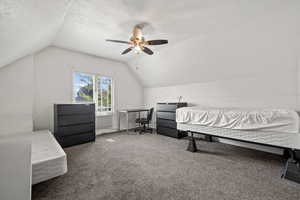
[
  {"x": 200, "y": 32},
  {"x": 27, "y": 26},
  {"x": 89, "y": 22},
  {"x": 248, "y": 40}
]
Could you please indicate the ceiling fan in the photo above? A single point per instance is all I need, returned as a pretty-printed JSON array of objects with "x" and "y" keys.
[{"x": 138, "y": 43}]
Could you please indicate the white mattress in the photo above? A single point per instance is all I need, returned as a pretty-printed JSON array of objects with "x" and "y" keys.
[
  {"x": 276, "y": 139},
  {"x": 48, "y": 158},
  {"x": 281, "y": 120}
]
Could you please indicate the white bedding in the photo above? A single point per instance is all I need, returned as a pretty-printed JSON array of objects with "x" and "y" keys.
[
  {"x": 281, "y": 120},
  {"x": 48, "y": 158}
]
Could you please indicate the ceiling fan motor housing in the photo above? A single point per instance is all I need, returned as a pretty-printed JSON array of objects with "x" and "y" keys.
[
  {"x": 137, "y": 33},
  {"x": 137, "y": 42}
]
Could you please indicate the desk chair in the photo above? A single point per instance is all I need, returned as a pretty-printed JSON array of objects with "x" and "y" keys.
[{"x": 145, "y": 121}]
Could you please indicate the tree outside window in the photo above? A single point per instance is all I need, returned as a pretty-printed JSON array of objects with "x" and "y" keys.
[{"x": 89, "y": 88}]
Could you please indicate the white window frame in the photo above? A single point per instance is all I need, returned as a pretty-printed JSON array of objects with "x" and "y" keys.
[
  {"x": 95, "y": 92},
  {"x": 112, "y": 96}
]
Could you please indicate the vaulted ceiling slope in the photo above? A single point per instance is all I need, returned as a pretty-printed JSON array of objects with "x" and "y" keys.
[
  {"x": 208, "y": 39},
  {"x": 26, "y": 26}
]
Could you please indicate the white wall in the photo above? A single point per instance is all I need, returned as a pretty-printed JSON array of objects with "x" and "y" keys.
[
  {"x": 276, "y": 88},
  {"x": 53, "y": 82},
  {"x": 16, "y": 108},
  {"x": 15, "y": 168},
  {"x": 16, "y": 96},
  {"x": 31, "y": 85}
]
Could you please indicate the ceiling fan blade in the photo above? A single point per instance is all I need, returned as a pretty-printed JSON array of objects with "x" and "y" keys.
[
  {"x": 127, "y": 50},
  {"x": 147, "y": 50},
  {"x": 156, "y": 42},
  {"x": 119, "y": 41}
]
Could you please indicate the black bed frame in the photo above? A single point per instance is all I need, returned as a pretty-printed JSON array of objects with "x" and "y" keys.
[{"x": 291, "y": 170}]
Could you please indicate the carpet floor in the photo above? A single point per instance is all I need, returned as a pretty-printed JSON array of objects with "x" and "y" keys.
[{"x": 150, "y": 166}]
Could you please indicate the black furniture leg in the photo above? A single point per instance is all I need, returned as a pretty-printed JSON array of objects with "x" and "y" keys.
[
  {"x": 150, "y": 129},
  {"x": 291, "y": 170},
  {"x": 192, "y": 144},
  {"x": 286, "y": 153},
  {"x": 144, "y": 128},
  {"x": 208, "y": 138}
]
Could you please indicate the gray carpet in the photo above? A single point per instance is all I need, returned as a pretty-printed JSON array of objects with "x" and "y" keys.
[{"x": 122, "y": 166}]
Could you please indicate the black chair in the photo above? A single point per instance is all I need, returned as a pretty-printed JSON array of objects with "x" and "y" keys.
[{"x": 145, "y": 121}]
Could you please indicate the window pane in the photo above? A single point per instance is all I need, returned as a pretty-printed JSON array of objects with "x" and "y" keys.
[
  {"x": 99, "y": 106},
  {"x": 104, "y": 94},
  {"x": 83, "y": 88},
  {"x": 109, "y": 94},
  {"x": 104, "y": 87}
]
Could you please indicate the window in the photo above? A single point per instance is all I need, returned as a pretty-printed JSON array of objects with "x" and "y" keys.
[
  {"x": 83, "y": 88},
  {"x": 88, "y": 88},
  {"x": 104, "y": 85}
]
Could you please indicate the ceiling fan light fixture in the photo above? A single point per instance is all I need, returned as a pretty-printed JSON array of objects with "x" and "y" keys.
[
  {"x": 138, "y": 43},
  {"x": 137, "y": 49}
]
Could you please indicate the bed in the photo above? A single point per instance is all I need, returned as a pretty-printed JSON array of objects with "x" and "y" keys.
[
  {"x": 279, "y": 120},
  {"x": 48, "y": 158},
  {"x": 276, "y": 128}
]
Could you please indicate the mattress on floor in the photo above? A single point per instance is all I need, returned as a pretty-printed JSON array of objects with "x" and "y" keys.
[
  {"x": 281, "y": 120},
  {"x": 48, "y": 158}
]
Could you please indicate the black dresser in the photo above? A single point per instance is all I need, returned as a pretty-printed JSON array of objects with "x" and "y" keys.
[
  {"x": 166, "y": 119},
  {"x": 74, "y": 123}
]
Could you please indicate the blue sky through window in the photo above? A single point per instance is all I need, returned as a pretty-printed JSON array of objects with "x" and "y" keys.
[
  {"x": 84, "y": 90},
  {"x": 105, "y": 82},
  {"x": 82, "y": 80}
]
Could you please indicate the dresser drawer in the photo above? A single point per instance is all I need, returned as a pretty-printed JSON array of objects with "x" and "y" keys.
[
  {"x": 66, "y": 120},
  {"x": 167, "y": 131},
  {"x": 166, "y": 115},
  {"x": 76, "y": 139},
  {"x": 166, "y": 123},
  {"x": 72, "y": 109},
  {"x": 297, "y": 155},
  {"x": 75, "y": 129},
  {"x": 166, "y": 107}
]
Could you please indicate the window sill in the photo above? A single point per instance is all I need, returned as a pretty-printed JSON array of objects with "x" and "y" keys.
[{"x": 103, "y": 114}]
